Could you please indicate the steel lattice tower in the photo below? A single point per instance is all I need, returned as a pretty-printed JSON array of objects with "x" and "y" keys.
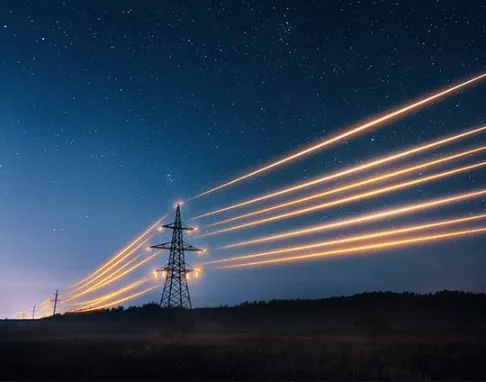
[{"x": 176, "y": 290}]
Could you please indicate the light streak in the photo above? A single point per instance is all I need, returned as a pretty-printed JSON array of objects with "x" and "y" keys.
[
  {"x": 350, "y": 239},
  {"x": 351, "y": 186},
  {"x": 128, "y": 254},
  {"x": 107, "y": 282},
  {"x": 361, "y": 196},
  {"x": 350, "y": 132},
  {"x": 43, "y": 303},
  {"x": 87, "y": 304},
  {"x": 362, "y": 219},
  {"x": 124, "y": 250},
  {"x": 108, "y": 279},
  {"x": 348, "y": 171},
  {"x": 120, "y": 301},
  {"x": 364, "y": 248}
]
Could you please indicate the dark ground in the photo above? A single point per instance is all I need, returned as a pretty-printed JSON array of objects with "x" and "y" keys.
[{"x": 366, "y": 337}]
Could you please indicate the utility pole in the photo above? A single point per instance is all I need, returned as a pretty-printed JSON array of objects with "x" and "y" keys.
[
  {"x": 56, "y": 297},
  {"x": 176, "y": 290},
  {"x": 33, "y": 312}
]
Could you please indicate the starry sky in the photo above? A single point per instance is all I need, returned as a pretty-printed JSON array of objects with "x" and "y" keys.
[{"x": 112, "y": 110}]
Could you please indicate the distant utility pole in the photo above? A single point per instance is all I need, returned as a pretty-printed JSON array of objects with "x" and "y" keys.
[
  {"x": 56, "y": 298},
  {"x": 33, "y": 312},
  {"x": 176, "y": 290}
]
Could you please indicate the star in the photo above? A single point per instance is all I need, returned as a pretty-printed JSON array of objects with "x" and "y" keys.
[{"x": 169, "y": 178}]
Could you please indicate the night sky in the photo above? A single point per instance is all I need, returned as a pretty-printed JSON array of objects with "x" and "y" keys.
[{"x": 110, "y": 111}]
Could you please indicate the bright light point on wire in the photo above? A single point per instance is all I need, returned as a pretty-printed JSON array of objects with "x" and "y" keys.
[
  {"x": 160, "y": 229},
  {"x": 202, "y": 252},
  {"x": 179, "y": 203},
  {"x": 164, "y": 274},
  {"x": 155, "y": 275},
  {"x": 148, "y": 249}
]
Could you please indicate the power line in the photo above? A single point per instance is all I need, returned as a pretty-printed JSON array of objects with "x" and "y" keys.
[{"x": 390, "y": 115}]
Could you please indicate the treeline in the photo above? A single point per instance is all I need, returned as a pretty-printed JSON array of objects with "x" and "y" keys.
[
  {"x": 374, "y": 312},
  {"x": 443, "y": 300}
]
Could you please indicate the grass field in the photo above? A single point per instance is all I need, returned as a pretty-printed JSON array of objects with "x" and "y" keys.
[{"x": 249, "y": 347}]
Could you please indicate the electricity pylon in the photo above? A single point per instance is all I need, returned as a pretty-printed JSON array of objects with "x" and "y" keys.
[
  {"x": 176, "y": 290},
  {"x": 55, "y": 301}
]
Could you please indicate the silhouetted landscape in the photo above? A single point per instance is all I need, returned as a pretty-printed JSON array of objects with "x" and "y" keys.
[{"x": 381, "y": 336}]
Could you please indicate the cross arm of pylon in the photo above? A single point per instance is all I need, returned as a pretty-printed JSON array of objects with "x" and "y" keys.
[
  {"x": 186, "y": 247},
  {"x": 182, "y": 226}
]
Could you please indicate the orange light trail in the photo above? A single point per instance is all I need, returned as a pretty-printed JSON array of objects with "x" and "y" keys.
[
  {"x": 120, "y": 301},
  {"x": 87, "y": 304},
  {"x": 362, "y": 219},
  {"x": 350, "y": 239},
  {"x": 113, "y": 279},
  {"x": 350, "y": 132},
  {"x": 152, "y": 227},
  {"x": 361, "y": 196},
  {"x": 45, "y": 302},
  {"x": 364, "y": 248},
  {"x": 351, "y": 186},
  {"x": 109, "y": 278},
  {"x": 120, "y": 260},
  {"x": 348, "y": 171}
]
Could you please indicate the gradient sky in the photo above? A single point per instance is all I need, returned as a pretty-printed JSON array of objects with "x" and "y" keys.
[{"x": 112, "y": 110}]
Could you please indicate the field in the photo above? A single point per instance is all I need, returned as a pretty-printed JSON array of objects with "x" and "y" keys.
[{"x": 374, "y": 336}]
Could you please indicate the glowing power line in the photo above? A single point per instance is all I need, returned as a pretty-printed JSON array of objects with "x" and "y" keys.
[
  {"x": 350, "y": 239},
  {"x": 124, "y": 250},
  {"x": 122, "y": 300},
  {"x": 350, "y": 186},
  {"x": 350, "y": 132},
  {"x": 104, "y": 283},
  {"x": 109, "y": 279},
  {"x": 120, "y": 260},
  {"x": 348, "y": 171},
  {"x": 89, "y": 303},
  {"x": 362, "y": 219},
  {"x": 361, "y": 196},
  {"x": 358, "y": 249}
]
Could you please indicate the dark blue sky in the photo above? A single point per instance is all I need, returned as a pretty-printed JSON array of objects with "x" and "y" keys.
[{"x": 112, "y": 110}]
